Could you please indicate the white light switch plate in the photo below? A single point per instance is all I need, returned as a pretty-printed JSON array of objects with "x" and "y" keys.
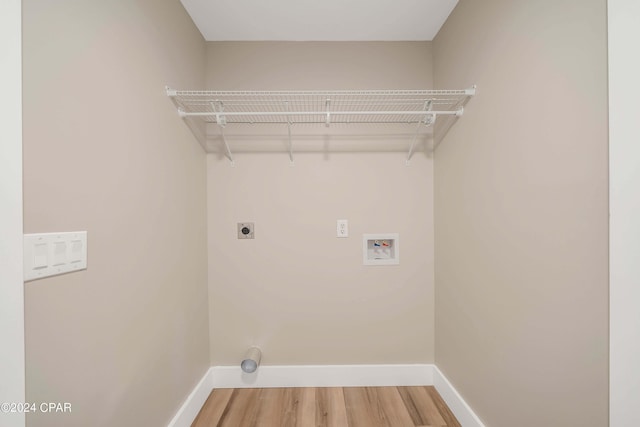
[{"x": 49, "y": 254}]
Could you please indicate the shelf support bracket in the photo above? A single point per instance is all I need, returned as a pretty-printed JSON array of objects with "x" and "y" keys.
[
  {"x": 429, "y": 119},
  {"x": 327, "y": 106},
  {"x": 286, "y": 103},
  {"x": 172, "y": 93},
  {"x": 413, "y": 143},
  {"x": 226, "y": 145},
  {"x": 222, "y": 121}
]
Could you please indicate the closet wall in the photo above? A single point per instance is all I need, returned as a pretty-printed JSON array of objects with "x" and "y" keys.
[
  {"x": 521, "y": 212},
  {"x": 11, "y": 293},
  {"x": 125, "y": 341},
  {"x": 297, "y": 291}
]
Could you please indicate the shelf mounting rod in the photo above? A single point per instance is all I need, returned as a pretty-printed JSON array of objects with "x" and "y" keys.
[
  {"x": 286, "y": 103},
  {"x": 413, "y": 143},
  {"x": 324, "y": 113},
  {"x": 221, "y": 120},
  {"x": 226, "y": 145},
  {"x": 428, "y": 120}
]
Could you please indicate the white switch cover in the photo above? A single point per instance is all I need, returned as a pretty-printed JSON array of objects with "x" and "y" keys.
[
  {"x": 59, "y": 253},
  {"x": 343, "y": 228},
  {"x": 40, "y": 255},
  {"x": 78, "y": 251},
  {"x": 49, "y": 254}
]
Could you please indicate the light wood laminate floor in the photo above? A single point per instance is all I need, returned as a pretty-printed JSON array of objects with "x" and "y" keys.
[{"x": 326, "y": 407}]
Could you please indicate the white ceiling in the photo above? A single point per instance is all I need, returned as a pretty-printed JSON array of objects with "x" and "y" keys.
[{"x": 319, "y": 20}]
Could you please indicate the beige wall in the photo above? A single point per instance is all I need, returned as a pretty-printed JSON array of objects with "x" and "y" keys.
[
  {"x": 126, "y": 340},
  {"x": 297, "y": 291},
  {"x": 521, "y": 212}
]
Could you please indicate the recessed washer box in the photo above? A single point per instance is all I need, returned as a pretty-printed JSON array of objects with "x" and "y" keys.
[{"x": 381, "y": 249}]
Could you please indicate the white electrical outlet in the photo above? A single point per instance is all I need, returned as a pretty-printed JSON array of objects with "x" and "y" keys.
[{"x": 343, "y": 228}]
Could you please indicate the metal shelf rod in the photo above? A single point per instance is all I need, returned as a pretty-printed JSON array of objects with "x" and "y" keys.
[
  {"x": 417, "y": 92},
  {"x": 319, "y": 113}
]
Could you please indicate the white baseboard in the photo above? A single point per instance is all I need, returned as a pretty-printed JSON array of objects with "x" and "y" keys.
[
  {"x": 454, "y": 401},
  {"x": 192, "y": 405},
  {"x": 323, "y": 376}
]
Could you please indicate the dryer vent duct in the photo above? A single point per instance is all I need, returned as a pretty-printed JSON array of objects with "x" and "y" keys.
[{"x": 251, "y": 360}]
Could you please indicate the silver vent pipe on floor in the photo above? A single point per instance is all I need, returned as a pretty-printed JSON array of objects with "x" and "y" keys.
[{"x": 251, "y": 360}]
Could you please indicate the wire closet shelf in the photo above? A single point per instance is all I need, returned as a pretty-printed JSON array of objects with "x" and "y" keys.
[{"x": 409, "y": 107}]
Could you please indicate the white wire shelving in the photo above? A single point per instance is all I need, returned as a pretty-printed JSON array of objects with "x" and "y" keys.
[{"x": 413, "y": 108}]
